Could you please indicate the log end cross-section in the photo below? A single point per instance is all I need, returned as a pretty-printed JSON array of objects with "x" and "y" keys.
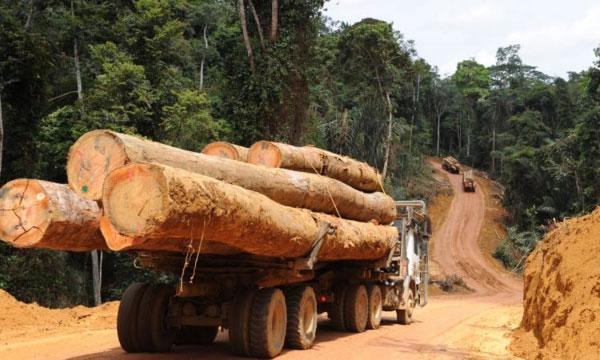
[
  {"x": 91, "y": 158},
  {"x": 24, "y": 215},
  {"x": 226, "y": 150},
  {"x": 134, "y": 204},
  {"x": 42, "y": 214}
]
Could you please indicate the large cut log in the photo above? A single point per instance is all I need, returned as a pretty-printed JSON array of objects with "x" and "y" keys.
[
  {"x": 226, "y": 150},
  {"x": 154, "y": 202},
  {"x": 312, "y": 159},
  {"x": 120, "y": 242},
  {"x": 42, "y": 214},
  {"x": 97, "y": 153}
]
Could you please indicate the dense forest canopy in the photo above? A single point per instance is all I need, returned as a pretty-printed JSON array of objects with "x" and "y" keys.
[{"x": 190, "y": 72}]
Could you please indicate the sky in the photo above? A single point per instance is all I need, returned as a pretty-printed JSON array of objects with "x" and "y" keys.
[{"x": 556, "y": 36}]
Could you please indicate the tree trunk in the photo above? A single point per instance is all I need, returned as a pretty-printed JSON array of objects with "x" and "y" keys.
[
  {"x": 29, "y": 21},
  {"x": 77, "y": 71},
  {"x": 96, "y": 277},
  {"x": 226, "y": 150},
  {"x": 388, "y": 138},
  {"x": 76, "y": 60},
  {"x": 493, "y": 148},
  {"x": 258, "y": 26},
  {"x": 155, "y": 202},
  {"x": 414, "y": 113},
  {"x": 201, "y": 85},
  {"x": 437, "y": 147},
  {"x": 357, "y": 174},
  {"x": 469, "y": 143},
  {"x": 274, "y": 20},
  {"x": 244, "y": 26},
  {"x": 42, "y": 214},
  {"x": 99, "y": 152}
]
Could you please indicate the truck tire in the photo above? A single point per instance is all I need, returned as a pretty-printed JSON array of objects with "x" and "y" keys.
[
  {"x": 268, "y": 323},
  {"x": 238, "y": 322},
  {"x": 196, "y": 335},
  {"x": 301, "y": 317},
  {"x": 336, "y": 310},
  {"x": 356, "y": 308},
  {"x": 155, "y": 335},
  {"x": 375, "y": 307},
  {"x": 404, "y": 316},
  {"x": 127, "y": 317}
]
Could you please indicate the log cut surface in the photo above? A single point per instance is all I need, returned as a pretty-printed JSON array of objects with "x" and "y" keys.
[
  {"x": 98, "y": 152},
  {"x": 357, "y": 174},
  {"x": 42, "y": 214},
  {"x": 226, "y": 150},
  {"x": 151, "y": 203}
]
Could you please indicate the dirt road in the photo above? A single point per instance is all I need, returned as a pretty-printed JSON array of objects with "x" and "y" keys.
[{"x": 472, "y": 326}]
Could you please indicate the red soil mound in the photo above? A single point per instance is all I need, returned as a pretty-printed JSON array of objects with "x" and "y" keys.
[
  {"x": 561, "y": 318},
  {"x": 20, "y": 320}
]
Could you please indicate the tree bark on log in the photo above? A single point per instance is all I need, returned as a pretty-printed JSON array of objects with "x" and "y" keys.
[
  {"x": 226, "y": 150},
  {"x": 119, "y": 242},
  {"x": 154, "y": 202},
  {"x": 98, "y": 152},
  {"x": 42, "y": 214},
  {"x": 357, "y": 174}
]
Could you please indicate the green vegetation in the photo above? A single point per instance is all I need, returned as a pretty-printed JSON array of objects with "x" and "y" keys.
[{"x": 190, "y": 72}]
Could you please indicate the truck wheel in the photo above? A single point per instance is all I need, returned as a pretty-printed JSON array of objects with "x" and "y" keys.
[
  {"x": 404, "y": 316},
  {"x": 336, "y": 309},
  {"x": 238, "y": 322},
  {"x": 197, "y": 335},
  {"x": 375, "y": 307},
  {"x": 301, "y": 317},
  {"x": 268, "y": 322},
  {"x": 356, "y": 308},
  {"x": 127, "y": 317},
  {"x": 154, "y": 331}
]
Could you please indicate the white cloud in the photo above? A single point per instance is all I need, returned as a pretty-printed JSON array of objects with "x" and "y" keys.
[{"x": 554, "y": 35}]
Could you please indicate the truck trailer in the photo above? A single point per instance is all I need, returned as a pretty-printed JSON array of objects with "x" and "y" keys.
[
  {"x": 451, "y": 165},
  {"x": 468, "y": 181},
  {"x": 267, "y": 304}
]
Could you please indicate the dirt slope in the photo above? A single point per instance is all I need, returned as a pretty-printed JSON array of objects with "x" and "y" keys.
[
  {"x": 19, "y": 321},
  {"x": 473, "y": 326},
  {"x": 562, "y": 293}
]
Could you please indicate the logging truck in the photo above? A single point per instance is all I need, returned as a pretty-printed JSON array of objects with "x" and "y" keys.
[
  {"x": 268, "y": 303},
  {"x": 451, "y": 165},
  {"x": 259, "y": 240},
  {"x": 468, "y": 181}
]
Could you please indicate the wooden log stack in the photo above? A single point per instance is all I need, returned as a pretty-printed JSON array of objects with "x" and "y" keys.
[{"x": 128, "y": 193}]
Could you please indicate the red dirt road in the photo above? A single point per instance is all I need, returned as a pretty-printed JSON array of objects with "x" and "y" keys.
[{"x": 472, "y": 326}]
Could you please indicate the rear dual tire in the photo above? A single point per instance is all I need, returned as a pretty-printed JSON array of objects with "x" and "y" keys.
[
  {"x": 142, "y": 319},
  {"x": 301, "y": 317}
]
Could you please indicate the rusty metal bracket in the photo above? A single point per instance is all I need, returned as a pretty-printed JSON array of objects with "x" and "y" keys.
[{"x": 308, "y": 263}]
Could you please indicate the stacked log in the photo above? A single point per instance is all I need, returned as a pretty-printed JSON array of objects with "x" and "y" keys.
[
  {"x": 127, "y": 193},
  {"x": 311, "y": 159},
  {"x": 42, "y": 214},
  {"x": 97, "y": 153},
  {"x": 226, "y": 150},
  {"x": 119, "y": 242},
  {"x": 150, "y": 202}
]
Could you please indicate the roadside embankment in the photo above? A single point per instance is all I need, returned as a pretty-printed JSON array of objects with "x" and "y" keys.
[{"x": 561, "y": 318}]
